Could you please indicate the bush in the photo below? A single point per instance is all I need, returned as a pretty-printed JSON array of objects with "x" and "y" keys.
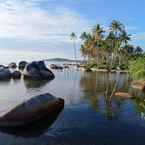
[
  {"x": 123, "y": 66},
  {"x": 114, "y": 66},
  {"x": 91, "y": 64},
  {"x": 137, "y": 68},
  {"x": 102, "y": 66}
]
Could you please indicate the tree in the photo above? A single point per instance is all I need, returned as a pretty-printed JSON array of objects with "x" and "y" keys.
[
  {"x": 124, "y": 37},
  {"x": 109, "y": 48},
  {"x": 138, "y": 51},
  {"x": 116, "y": 26},
  {"x": 84, "y": 36},
  {"x": 110, "y": 40},
  {"x": 118, "y": 29},
  {"x": 98, "y": 32},
  {"x": 73, "y": 38}
]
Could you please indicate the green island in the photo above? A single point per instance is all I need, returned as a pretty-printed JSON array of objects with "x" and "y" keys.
[{"x": 110, "y": 49}]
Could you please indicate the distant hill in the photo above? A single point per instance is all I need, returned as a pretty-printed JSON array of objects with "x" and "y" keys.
[{"x": 63, "y": 60}]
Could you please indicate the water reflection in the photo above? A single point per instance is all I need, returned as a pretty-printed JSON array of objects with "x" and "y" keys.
[
  {"x": 5, "y": 82},
  {"x": 31, "y": 84},
  {"x": 98, "y": 89},
  {"x": 139, "y": 103},
  {"x": 90, "y": 116}
]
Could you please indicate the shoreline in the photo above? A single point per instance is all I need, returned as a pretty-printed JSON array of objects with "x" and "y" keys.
[{"x": 105, "y": 70}]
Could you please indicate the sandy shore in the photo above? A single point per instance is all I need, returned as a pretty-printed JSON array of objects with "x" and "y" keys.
[{"x": 112, "y": 71}]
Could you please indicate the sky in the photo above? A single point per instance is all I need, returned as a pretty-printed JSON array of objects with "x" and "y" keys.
[{"x": 37, "y": 29}]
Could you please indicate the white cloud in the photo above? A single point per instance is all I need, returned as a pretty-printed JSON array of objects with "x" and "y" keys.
[
  {"x": 17, "y": 56},
  {"x": 26, "y": 27},
  {"x": 19, "y": 20},
  {"x": 139, "y": 36}
]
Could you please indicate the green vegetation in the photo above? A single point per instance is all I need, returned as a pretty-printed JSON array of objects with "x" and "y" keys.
[
  {"x": 137, "y": 68},
  {"x": 110, "y": 48}
]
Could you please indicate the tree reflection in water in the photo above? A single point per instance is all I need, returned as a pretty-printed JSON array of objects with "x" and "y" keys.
[
  {"x": 139, "y": 102},
  {"x": 98, "y": 88}
]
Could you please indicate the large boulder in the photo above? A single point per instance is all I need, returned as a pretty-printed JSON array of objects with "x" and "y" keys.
[
  {"x": 38, "y": 70},
  {"x": 16, "y": 75},
  {"x": 5, "y": 74},
  {"x": 22, "y": 64},
  {"x": 31, "y": 111},
  {"x": 2, "y": 66},
  {"x": 12, "y": 65}
]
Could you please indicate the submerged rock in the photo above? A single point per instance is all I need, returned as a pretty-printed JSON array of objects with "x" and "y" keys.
[
  {"x": 88, "y": 70},
  {"x": 122, "y": 95},
  {"x": 22, "y": 64},
  {"x": 5, "y": 74},
  {"x": 16, "y": 75},
  {"x": 140, "y": 85},
  {"x": 38, "y": 70},
  {"x": 54, "y": 66},
  {"x": 12, "y": 65},
  {"x": 66, "y": 66}
]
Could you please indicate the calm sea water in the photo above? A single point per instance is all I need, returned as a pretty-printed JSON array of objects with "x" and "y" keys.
[{"x": 88, "y": 117}]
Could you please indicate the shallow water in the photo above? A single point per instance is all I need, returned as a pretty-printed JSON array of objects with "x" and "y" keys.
[{"x": 88, "y": 117}]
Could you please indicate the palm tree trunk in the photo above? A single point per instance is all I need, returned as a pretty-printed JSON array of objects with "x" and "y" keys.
[{"x": 75, "y": 51}]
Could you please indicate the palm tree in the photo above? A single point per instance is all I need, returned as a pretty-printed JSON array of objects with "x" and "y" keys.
[
  {"x": 110, "y": 48},
  {"x": 73, "y": 38},
  {"x": 110, "y": 40},
  {"x": 98, "y": 35},
  {"x": 84, "y": 36},
  {"x": 116, "y": 28},
  {"x": 124, "y": 37},
  {"x": 98, "y": 32}
]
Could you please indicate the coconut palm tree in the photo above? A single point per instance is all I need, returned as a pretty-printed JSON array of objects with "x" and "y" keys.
[
  {"x": 73, "y": 38},
  {"x": 116, "y": 28},
  {"x": 98, "y": 32},
  {"x": 124, "y": 37},
  {"x": 110, "y": 40},
  {"x": 84, "y": 36},
  {"x": 98, "y": 36}
]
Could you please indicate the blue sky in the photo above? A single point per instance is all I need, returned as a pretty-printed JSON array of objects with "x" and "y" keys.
[{"x": 41, "y": 28}]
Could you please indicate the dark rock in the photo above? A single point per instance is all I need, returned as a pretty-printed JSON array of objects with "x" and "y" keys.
[
  {"x": 22, "y": 65},
  {"x": 16, "y": 75},
  {"x": 54, "y": 66},
  {"x": 5, "y": 74},
  {"x": 35, "y": 109},
  {"x": 66, "y": 66},
  {"x": 2, "y": 66},
  {"x": 38, "y": 70},
  {"x": 12, "y": 65},
  {"x": 88, "y": 70}
]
